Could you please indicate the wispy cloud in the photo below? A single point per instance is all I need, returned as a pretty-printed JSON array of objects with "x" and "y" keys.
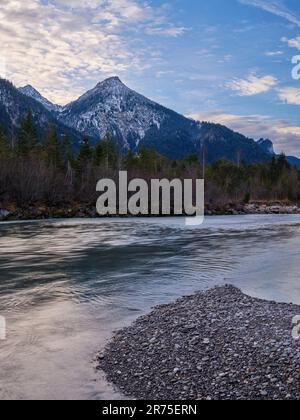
[
  {"x": 286, "y": 137},
  {"x": 252, "y": 85},
  {"x": 276, "y": 7},
  {"x": 274, "y": 53},
  {"x": 172, "y": 31},
  {"x": 59, "y": 44},
  {"x": 293, "y": 43},
  {"x": 290, "y": 95}
]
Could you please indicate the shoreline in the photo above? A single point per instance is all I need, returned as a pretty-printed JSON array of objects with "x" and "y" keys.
[
  {"x": 12, "y": 212},
  {"x": 215, "y": 345}
]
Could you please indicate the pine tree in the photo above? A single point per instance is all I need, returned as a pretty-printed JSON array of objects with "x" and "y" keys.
[
  {"x": 149, "y": 160},
  {"x": 192, "y": 160},
  {"x": 27, "y": 136},
  {"x": 110, "y": 152},
  {"x": 283, "y": 163},
  {"x": 52, "y": 147},
  {"x": 66, "y": 151},
  {"x": 131, "y": 160},
  {"x": 273, "y": 170},
  {"x": 85, "y": 153},
  {"x": 4, "y": 145},
  {"x": 99, "y": 154}
]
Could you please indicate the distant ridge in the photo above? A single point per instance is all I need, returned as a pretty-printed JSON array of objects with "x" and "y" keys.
[{"x": 133, "y": 120}]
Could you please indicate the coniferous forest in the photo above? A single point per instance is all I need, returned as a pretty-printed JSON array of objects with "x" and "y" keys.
[{"x": 39, "y": 175}]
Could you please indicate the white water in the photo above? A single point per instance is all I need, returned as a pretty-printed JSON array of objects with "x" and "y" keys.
[{"x": 66, "y": 285}]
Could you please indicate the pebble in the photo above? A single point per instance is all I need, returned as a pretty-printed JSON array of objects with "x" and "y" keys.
[{"x": 247, "y": 353}]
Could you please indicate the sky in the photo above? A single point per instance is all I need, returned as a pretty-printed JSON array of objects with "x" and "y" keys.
[{"x": 226, "y": 61}]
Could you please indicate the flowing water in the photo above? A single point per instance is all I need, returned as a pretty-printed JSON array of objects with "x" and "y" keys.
[{"x": 65, "y": 286}]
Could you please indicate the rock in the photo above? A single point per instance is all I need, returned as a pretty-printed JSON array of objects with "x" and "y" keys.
[
  {"x": 263, "y": 393},
  {"x": 247, "y": 352}
]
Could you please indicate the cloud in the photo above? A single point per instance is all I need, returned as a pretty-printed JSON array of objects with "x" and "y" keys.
[
  {"x": 273, "y": 53},
  {"x": 252, "y": 85},
  {"x": 290, "y": 95},
  {"x": 286, "y": 137},
  {"x": 293, "y": 43},
  {"x": 172, "y": 31},
  {"x": 276, "y": 7},
  {"x": 60, "y": 46},
  {"x": 163, "y": 73}
]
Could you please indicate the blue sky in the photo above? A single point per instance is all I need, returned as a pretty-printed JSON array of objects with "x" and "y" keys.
[{"x": 227, "y": 61}]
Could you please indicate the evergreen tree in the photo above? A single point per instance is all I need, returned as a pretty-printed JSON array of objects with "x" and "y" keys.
[
  {"x": 283, "y": 163},
  {"x": 192, "y": 160},
  {"x": 52, "y": 147},
  {"x": 110, "y": 152},
  {"x": 273, "y": 170},
  {"x": 149, "y": 160},
  {"x": 84, "y": 157},
  {"x": 131, "y": 160},
  {"x": 99, "y": 154},
  {"x": 66, "y": 151},
  {"x": 4, "y": 145},
  {"x": 85, "y": 153},
  {"x": 27, "y": 136}
]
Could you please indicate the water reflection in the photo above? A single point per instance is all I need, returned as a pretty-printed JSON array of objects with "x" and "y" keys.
[{"x": 66, "y": 285}]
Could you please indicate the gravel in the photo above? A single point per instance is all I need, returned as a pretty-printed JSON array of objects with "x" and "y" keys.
[{"x": 214, "y": 345}]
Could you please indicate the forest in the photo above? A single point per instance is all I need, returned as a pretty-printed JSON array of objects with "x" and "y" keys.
[{"x": 50, "y": 173}]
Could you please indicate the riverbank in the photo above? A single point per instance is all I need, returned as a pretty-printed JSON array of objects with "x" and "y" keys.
[
  {"x": 214, "y": 345},
  {"x": 11, "y": 212}
]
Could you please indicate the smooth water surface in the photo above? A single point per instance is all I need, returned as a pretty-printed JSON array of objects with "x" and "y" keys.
[{"x": 65, "y": 286}]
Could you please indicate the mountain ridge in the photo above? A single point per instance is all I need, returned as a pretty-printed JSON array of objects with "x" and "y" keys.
[
  {"x": 130, "y": 117},
  {"x": 14, "y": 107},
  {"x": 136, "y": 121},
  {"x": 30, "y": 91}
]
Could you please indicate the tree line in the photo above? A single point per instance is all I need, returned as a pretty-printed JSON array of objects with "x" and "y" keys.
[{"x": 51, "y": 172}]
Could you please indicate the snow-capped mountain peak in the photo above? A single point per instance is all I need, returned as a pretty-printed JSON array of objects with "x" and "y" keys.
[
  {"x": 132, "y": 119},
  {"x": 114, "y": 80},
  {"x": 113, "y": 107},
  {"x": 35, "y": 94}
]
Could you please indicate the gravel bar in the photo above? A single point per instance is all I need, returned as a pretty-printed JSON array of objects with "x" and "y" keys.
[{"x": 215, "y": 345}]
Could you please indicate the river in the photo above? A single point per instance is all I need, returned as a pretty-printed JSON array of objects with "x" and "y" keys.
[{"x": 66, "y": 285}]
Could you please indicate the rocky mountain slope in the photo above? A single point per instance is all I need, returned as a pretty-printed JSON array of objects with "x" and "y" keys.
[
  {"x": 34, "y": 94},
  {"x": 268, "y": 146},
  {"x": 133, "y": 120},
  {"x": 136, "y": 121},
  {"x": 14, "y": 106}
]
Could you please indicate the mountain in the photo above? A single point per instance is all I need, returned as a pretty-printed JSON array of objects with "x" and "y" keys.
[
  {"x": 133, "y": 120},
  {"x": 219, "y": 142},
  {"x": 268, "y": 146},
  {"x": 137, "y": 121},
  {"x": 14, "y": 107},
  {"x": 34, "y": 94},
  {"x": 293, "y": 161}
]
